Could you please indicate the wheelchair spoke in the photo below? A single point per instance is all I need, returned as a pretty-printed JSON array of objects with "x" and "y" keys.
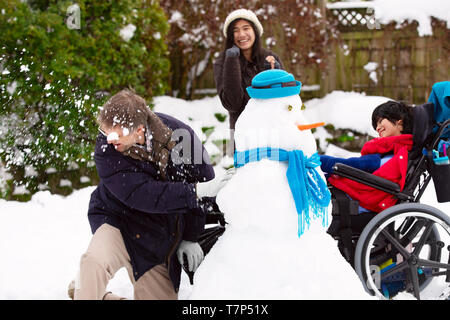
[
  {"x": 433, "y": 264},
  {"x": 423, "y": 238},
  {"x": 400, "y": 267},
  {"x": 404, "y": 227},
  {"x": 412, "y": 232},
  {"x": 396, "y": 244},
  {"x": 437, "y": 274},
  {"x": 415, "y": 281}
]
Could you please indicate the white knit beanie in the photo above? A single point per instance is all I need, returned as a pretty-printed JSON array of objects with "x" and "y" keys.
[{"x": 242, "y": 14}]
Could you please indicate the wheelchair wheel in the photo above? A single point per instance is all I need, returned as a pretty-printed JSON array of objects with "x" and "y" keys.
[{"x": 401, "y": 250}]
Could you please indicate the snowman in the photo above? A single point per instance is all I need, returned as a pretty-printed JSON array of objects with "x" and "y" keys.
[{"x": 275, "y": 245}]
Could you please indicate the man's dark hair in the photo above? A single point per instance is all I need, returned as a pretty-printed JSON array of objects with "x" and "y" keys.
[
  {"x": 394, "y": 111},
  {"x": 257, "y": 55}
]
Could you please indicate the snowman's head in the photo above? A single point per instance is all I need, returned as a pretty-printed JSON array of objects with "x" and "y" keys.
[
  {"x": 272, "y": 115},
  {"x": 274, "y": 83}
]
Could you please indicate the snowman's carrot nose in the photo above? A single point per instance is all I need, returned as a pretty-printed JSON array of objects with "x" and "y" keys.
[{"x": 310, "y": 126}]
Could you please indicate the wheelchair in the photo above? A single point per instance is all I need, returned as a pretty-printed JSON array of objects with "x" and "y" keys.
[{"x": 403, "y": 249}]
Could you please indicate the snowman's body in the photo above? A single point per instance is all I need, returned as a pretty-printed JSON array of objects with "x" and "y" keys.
[
  {"x": 266, "y": 123},
  {"x": 260, "y": 255}
]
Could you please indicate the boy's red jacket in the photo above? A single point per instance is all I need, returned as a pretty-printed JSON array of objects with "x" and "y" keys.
[{"x": 393, "y": 170}]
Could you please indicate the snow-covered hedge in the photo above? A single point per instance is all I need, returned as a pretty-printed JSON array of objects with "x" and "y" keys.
[{"x": 58, "y": 63}]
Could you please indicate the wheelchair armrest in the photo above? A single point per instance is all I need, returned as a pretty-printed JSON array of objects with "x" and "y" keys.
[{"x": 366, "y": 178}]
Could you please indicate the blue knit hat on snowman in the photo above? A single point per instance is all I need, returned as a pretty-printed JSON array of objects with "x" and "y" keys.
[{"x": 274, "y": 83}]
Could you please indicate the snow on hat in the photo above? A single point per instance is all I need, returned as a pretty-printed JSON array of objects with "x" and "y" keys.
[
  {"x": 274, "y": 83},
  {"x": 242, "y": 14}
]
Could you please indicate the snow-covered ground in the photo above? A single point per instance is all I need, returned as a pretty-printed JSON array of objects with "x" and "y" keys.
[{"x": 42, "y": 240}]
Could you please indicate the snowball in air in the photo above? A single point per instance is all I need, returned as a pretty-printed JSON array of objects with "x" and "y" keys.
[{"x": 112, "y": 136}]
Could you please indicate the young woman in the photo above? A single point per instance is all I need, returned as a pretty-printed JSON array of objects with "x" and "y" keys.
[{"x": 241, "y": 60}]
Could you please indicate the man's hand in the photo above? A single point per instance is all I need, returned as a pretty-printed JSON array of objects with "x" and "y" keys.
[{"x": 194, "y": 254}]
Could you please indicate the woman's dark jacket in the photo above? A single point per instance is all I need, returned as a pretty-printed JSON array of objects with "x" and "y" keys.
[
  {"x": 152, "y": 215},
  {"x": 233, "y": 75}
]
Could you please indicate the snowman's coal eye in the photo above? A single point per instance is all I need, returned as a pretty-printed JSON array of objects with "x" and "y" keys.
[{"x": 290, "y": 107}]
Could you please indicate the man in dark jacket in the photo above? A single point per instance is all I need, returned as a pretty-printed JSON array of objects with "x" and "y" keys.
[{"x": 145, "y": 207}]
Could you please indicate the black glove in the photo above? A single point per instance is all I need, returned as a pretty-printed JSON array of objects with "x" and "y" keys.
[
  {"x": 267, "y": 65},
  {"x": 234, "y": 51}
]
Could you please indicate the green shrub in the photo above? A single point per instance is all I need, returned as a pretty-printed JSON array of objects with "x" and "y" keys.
[{"x": 53, "y": 78}]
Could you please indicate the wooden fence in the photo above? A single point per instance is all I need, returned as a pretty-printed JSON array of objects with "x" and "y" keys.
[{"x": 383, "y": 60}]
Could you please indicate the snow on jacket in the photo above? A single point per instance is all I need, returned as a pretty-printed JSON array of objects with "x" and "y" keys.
[
  {"x": 394, "y": 170},
  {"x": 232, "y": 76},
  {"x": 153, "y": 215}
]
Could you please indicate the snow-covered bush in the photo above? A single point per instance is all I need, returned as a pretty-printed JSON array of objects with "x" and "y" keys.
[{"x": 58, "y": 64}]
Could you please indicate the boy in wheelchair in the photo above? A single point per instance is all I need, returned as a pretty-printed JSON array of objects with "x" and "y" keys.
[
  {"x": 385, "y": 246},
  {"x": 385, "y": 157}
]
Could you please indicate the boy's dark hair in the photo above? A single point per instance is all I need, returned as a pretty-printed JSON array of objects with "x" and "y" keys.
[
  {"x": 125, "y": 108},
  {"x": 257, "y": 54},
  {"x": 394, "y": 111}
]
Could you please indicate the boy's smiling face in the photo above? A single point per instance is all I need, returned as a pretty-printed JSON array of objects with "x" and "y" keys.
[
  {"x": 386, "y": 128},
  {"x": 123, "y": 138}
]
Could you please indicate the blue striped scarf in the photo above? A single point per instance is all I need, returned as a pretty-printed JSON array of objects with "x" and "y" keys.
[{"x": 309, "y": 190}]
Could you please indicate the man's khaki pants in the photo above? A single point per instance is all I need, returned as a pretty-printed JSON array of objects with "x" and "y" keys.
[{"x": 105, "y": 255}]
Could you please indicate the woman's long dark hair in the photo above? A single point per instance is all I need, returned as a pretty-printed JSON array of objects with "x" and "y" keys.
[{"x": 257, "y": 55}]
